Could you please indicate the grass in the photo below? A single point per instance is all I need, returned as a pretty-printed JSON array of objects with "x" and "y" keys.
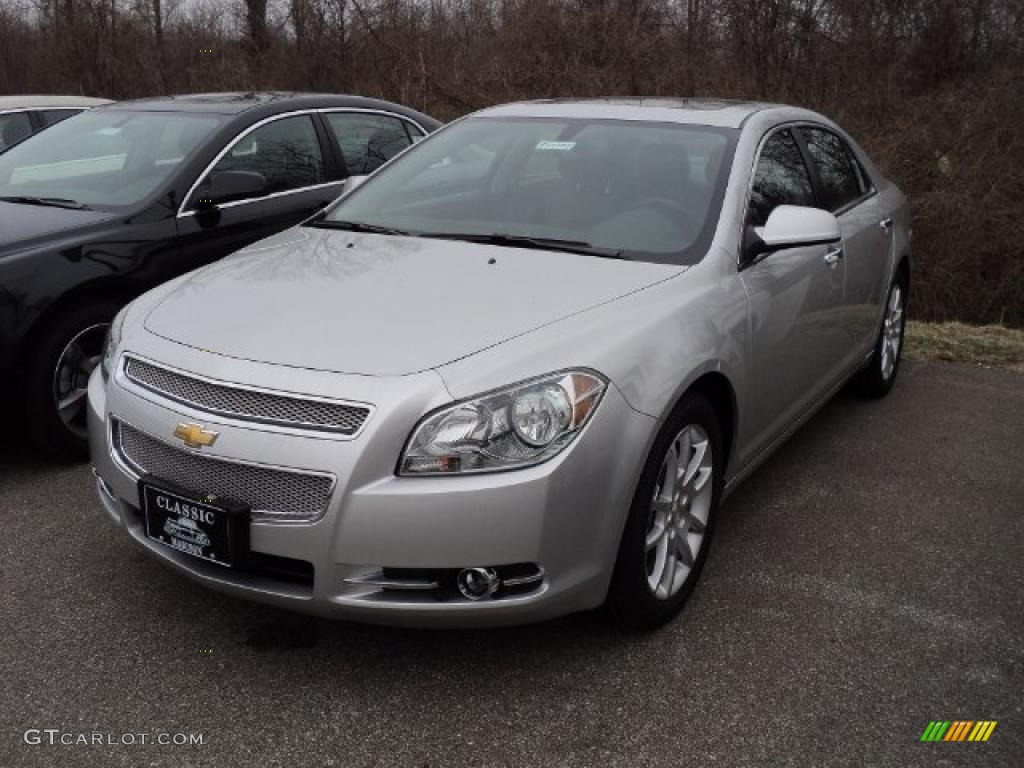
[{"x": 989, "y": 345}]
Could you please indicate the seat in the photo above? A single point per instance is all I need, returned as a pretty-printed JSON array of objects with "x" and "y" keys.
[{"x": 585, "y": 194}]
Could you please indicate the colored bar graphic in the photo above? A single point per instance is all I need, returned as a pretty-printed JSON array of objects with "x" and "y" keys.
[{"x": 958, "y": 730}]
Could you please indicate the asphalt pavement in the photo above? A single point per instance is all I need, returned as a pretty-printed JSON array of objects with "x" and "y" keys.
[{"x": 865, "y": 581}]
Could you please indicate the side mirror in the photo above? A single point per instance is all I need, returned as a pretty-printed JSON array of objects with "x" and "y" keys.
[
  {"x": 791, "y": 226},
  {"x": 351, "y": 183},
  {"x": 226, "y": 186}
]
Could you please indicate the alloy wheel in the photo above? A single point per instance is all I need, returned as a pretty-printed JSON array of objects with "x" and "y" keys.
[
  {"x": 892, "y": 332},
  {"x": 679, "y": 511},
  {"x": 71, "y": 376}
]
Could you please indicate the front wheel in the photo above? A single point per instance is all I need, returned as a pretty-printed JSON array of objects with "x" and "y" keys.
[
  {"x": 57, "y": 378},
  {"x": 879, "y": 375},
  {"x": 671, "y": 520}
]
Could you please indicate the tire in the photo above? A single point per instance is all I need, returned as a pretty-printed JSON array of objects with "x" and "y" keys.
[
  {"x": 878, "y": 376},
  {"x": 641, "y": 595},
  {"x": 73, "y": 343}
]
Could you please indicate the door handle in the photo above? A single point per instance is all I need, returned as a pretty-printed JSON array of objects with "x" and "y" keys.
[
  {"x": 886, "y": 224},
  {"x": 833, "y": 255}
]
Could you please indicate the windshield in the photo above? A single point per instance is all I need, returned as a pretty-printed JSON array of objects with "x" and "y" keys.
[
  {"x": 648, "y": 191},
  {"x": 102, "y": 159}
]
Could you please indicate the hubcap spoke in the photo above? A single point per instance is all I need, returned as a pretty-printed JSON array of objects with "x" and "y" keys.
[
  {"x": 671, "y": 480},
  {"x": 668, "y": 575},
  {"x": 693, "y": 524},
  {"x": 699, "y": 450},
  {"x": 655, "y": 535},
  {"x": 682, "y": 550},
  {"x": 661, "y": 506},
  {"x": 684, "y": 446},
  {"x": 701, "y": 479},
  {"x": 71, "y": 400}
]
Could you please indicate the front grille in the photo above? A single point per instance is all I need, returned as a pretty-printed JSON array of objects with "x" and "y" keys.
[
  {"x": 230, "y": 400},
  {"x": 278, "y": 493}
]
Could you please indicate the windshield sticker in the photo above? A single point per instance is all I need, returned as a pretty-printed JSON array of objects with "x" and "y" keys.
[{"x": 555, "y": 146}]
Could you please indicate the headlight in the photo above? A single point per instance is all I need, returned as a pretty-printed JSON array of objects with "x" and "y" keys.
[
  {"x": 111, "y": 343},
  {"x": 515, "y": 427}
]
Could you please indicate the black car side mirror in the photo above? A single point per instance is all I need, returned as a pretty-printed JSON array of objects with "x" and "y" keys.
[{"x": 227, "y": 186}]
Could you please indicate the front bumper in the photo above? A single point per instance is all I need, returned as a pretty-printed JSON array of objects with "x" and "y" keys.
[{"x": 565, "y": 515}]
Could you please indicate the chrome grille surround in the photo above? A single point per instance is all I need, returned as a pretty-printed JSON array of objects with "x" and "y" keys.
[
  {"x": 247, "y": 403},
  {"x": 274, "y": 493}
]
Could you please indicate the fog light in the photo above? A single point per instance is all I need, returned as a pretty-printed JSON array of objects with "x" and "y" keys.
[{"x": 478, "y": 583}]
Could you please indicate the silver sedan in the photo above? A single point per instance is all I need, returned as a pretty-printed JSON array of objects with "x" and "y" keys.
[{"x": 515, "y": 372}]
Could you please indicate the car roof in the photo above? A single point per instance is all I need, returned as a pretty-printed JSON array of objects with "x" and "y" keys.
[
  {"x": 42, "y": 102},
  {"x": 234, "y": 103},
  {"x": 712, "y": 112},
  {"x": 257, "y": 105}
]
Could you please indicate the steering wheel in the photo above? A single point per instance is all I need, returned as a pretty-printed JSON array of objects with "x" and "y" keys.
[{"x": 671, "y": 209}]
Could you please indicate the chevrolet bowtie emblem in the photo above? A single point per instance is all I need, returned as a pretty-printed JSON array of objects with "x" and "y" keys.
[{"x": 194, "y": 436}]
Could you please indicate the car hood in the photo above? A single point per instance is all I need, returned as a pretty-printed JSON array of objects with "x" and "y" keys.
[
  {"x": 381, "y": 305},
  {"x": 23, "y": 226}
]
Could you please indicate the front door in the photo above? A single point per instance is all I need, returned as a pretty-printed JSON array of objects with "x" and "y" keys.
[
  {"x": 288, "y": 154},
  {"x": 796, "y": 303}
]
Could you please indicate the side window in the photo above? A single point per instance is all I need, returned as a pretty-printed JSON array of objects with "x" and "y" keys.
[
  {"x": 14, "y": 127},
  {"x": 368, "y": 141},
  {"x": 841, "y": 180},
  {"x": 781, "y": 178},
  {"x": 54, "y": 116},
  {"x": 285, "y": 152}
]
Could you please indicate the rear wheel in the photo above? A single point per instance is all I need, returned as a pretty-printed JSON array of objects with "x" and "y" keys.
[
  {"x": 879, "y": 375},
  {"x": 671, "y": 520},
  {"x": 62, "y": 358}
]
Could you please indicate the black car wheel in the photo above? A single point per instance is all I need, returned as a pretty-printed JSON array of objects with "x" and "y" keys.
[
  {"x": 56, "y": 384},
  {"x": 671, "y": 520}
]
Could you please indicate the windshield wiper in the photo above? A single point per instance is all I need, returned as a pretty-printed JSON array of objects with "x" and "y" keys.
[
  {"x": 55, "y": 202},
  {"x": 356, "y": 226},
  {"x": 535, "y": 243}
]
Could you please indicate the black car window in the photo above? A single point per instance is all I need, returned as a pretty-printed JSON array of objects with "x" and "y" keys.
[
  {"x": 781, "y": 178},
  {"x": 367, "y": 141},
  {"x": 14, "y": 127},
  {"x": 104, "y": 158},
  {"x": 841, "y": 183},
  {"x": 286, "y": 152},
  {"x": 54, "y": 116}
]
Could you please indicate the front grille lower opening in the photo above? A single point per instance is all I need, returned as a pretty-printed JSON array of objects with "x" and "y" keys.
[{"x": 272, "y": 493}]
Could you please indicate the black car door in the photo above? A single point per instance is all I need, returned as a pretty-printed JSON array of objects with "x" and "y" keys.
[{"x": 287, "y": 174}]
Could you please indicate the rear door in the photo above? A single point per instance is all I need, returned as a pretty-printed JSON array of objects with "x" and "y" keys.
[
  {"x": 845, "y": 189},
  {"x": 302, "y": 177},
  {"x": 364, "y": 141},
  {"x": 796, "y": 302}
]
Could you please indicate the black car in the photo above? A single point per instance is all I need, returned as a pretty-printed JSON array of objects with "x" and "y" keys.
[{"x": 116, "y": 200}]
